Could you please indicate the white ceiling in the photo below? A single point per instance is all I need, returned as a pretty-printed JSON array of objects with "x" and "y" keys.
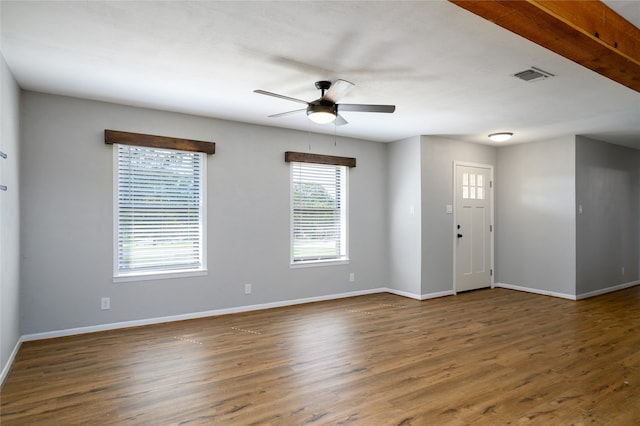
[{"x": 448, "y": 71}]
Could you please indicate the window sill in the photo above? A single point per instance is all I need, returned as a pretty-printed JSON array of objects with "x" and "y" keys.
[
  {"x": 316, "y": 263},
  {"x": 159, "y": 275}
]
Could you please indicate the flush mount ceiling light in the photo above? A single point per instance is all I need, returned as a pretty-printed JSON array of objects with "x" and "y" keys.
[
  {"x": 500, "y": 137},
  {"x": 321, "y": 114}
]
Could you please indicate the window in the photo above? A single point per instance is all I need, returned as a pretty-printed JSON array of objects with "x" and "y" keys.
[
  {"x": 318, "y": 212},
  {"x": 159, "y": 211},
  {"x": 472, "y": 186}
]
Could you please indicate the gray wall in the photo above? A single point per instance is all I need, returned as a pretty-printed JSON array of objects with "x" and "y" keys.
[
  {"x": 67, "y": 217},
  {"x": 535, "y": 216},
  {"x": 607, "y": 188},
  {"x": 420, "y": 229},
  {"x": 400, "y": 233},
  {"x": 9, "y": 215},
  {"x": 405, "y": 216},
  {"x": 437, "y": 157}
]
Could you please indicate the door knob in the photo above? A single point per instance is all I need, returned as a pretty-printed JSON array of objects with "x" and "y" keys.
[{"x": 459, "y": 235}]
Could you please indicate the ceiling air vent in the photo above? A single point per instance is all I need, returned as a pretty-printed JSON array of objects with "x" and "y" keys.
[{"x": 533, "y": 74}]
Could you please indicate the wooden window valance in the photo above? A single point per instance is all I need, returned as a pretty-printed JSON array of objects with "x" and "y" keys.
[
  {"x": 303, "y": 157},
  {"x": 140, "y": 139}
]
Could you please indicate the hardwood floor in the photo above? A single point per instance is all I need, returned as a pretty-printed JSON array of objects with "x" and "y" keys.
[{"x": 492, "y": 357}]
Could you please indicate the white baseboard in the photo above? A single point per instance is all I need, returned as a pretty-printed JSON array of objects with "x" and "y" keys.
[
  {"x": 204, "y": 314},
  {"x": 172, "y": 318},
  {"x": 217, "y": 312},
  {"x": 248, "y": 308},
  {"x": 419, "y": 296},
  {"x": 536, "y": 291},
  {"x": 7, "y": 366},
  {"x": 194, "y": 315},
  {"x": 437, "y": 294},
  {"x": 570, "y": 296},
  {"x": 607, "y": 290},
  {"x": 403, "y": 293},
  {"x": 136, "y": 323}
]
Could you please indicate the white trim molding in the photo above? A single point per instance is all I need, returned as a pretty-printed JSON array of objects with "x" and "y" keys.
[
  {"x": 403, "y": 293},
  {"x": 194, "y": 315},
  {"x": 216, "y": 312},
  {"x": 420, "y": 296},
  {"x": 570, "y": 296},
  {"x": 7, "y": 366},
  {"x": 536, "y": 291},
  {"x": 607, "y": 290},
  {"x": 437, "y": 294},
  {"x": 158, "y": 320}
]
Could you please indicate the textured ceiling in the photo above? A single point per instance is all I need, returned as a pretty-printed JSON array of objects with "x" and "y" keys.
[{"x": 448, "y": 71}]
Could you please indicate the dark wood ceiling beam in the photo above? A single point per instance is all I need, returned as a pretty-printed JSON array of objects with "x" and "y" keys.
[{"x": 587, "y": 32}]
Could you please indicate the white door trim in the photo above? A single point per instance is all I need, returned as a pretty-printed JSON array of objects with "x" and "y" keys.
[{"x": 454, "y": 230}]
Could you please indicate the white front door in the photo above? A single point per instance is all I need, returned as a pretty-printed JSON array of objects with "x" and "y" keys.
[{"x": 473, "y": 227}]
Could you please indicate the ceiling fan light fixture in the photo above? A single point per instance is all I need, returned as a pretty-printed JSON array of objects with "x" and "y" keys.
[
  {"x": 321, "y": 114},
  {"x": 501, "y": 136},
  {"x": 321, "y": 117}
]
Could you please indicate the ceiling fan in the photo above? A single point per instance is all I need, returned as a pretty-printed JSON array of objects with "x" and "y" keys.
[{"x": 325, "y": 109}]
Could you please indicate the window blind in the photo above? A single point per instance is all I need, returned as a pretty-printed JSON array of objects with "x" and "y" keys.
[
  {"x": 159, "y": 210},
  {"x": 318, "y": 212}
]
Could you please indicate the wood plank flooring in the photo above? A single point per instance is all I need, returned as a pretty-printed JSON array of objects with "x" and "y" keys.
[{"x": 494, "y": 357}]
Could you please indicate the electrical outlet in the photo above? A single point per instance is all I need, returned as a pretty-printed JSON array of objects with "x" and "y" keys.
[
  {"x": 105, "y": 303},
  {"x": 352, "y": 277},
  {"x": 247, "y": 289}
]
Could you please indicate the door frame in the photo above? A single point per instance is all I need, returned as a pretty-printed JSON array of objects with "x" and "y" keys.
[{"x": 454, "y": 230}]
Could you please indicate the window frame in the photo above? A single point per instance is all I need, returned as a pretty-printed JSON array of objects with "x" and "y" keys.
[
  {"x": 140, "y": 275},
  {"x": 324, "y": 161}
]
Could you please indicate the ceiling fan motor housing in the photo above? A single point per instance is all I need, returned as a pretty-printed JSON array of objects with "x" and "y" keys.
[{"x": 321, "y": 107}]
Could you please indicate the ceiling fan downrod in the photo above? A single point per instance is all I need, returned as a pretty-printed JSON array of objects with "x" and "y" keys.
[{"x": 323, "y": 85}]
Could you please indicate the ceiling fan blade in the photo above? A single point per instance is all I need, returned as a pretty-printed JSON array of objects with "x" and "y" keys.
[
  {"x": 340, "y": 121},
  {"x": 275, "y": 95},
  {"x": 287, "y": 113},
  {"x": 337, "y": 90},
  {"x": 366, "y": 108}
]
